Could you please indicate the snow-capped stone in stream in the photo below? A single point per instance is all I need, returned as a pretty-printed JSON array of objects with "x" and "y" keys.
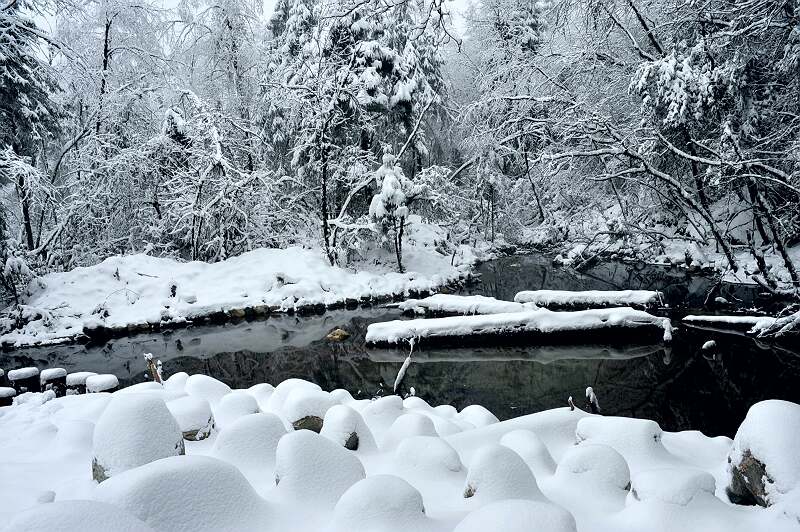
[
  {"x": 50, "y": 374},
  {"x": 250, "y": 443},
  {"x": 22, "y": 373},
  {"x": 76, "y": 515},
  {"x": 518, "y": 516},
  {"x": 101, "y": 383},
  {"x": 537, "y": 324},
  {"x": 346, "y": 427},
  {"x": 134, "y": 430},
  {"x": 313, "y": 469},
  {"x": 305, "y": 408},
  {"x": 207, "y": 388},
  {"x": 233, "y": 406},
  {"x": 496, "y": 473},
  {"x": 596, "y": 464},
  {"x": 405, "y": 426},
  {"x": 188, "y": 494},
  {"x": 763, "y": 464},
  {"x": 672, "y": 485},
  {"x": 7, "y": 396},
  {"x": 565, "y": 299},
  {"x": 532, "y": 450},
  {"x": 193, "y": 416},
  {"x": 79, "y": 378},
  {"x": 381, "y": 503}
]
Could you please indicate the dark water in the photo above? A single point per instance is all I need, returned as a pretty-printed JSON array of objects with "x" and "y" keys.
[{"x": 677, "y": 386}]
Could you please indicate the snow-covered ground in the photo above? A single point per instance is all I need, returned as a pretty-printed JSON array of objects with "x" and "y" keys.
[
  {"x": 139, "y": 291},
  {"x": 378, "y": 466}
]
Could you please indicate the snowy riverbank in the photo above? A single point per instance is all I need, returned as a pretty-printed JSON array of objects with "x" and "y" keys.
[
  {"x": 138, "y": 292},
  {"x": 385, "y": 465}
]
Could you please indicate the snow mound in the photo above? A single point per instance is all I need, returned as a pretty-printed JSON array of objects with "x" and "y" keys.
[
  {"x": 76, "y": 515},
  {"x": 193, "y": 416},
  {"x": 101, "y": 383},
  {"x": 262, "y": 392},
  {"x": 405, "y": 426},
  {"x": 518, "y": 516},
  {"x": 496, "y": 473},
  {"x": 342, "y": 397},
  {"x": 250, "y": 443},
  {"x": 381, "y": 503},
  {"x": 176, "y": 383},
  {"x": 135, "y": 429},
  {"x": 381, "y": 413},
  {"x": 52, "y": 373},
  {"x": 637, "y": 440},
  {"x": 79, "y": 378},
  {"x": 305, "y": 408},
  {"x": 346, "y": 427},
  {"x": 769, "y": 434},
  {"x": 313, "y": 469},
  {"x": 477, "y": 416},
  {"x": 532, "y": 450},
  {"x": 671, "y": 485},
  {"x": 233, "y": 406},
  {"x": 282, "y": 391},
  {"x": 188, "y": 494},
  {"x": 428, "y": 454},
  {"x": 597, "y": 464},
  {"x": 207, "y": 388},
  {"x": 6, "y": 392}
]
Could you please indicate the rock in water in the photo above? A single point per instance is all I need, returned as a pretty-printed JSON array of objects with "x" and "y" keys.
[
  {"x": 338, "y": 335},
  {"x": 134, "y": 430},
  {"x": 763, "y": 464}
]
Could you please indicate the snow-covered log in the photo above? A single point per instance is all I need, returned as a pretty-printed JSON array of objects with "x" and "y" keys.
[
  {"x": 569, "y": 300},
  {"x": 736, "y": 323},
  {"x": 537, "y": 326},
  {"x": 441, "y": 305}
]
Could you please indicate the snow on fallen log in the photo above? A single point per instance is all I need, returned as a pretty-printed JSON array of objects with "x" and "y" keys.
[
  {"x": 751, "y": 324},
  {"x": 565, "y": 299},
  {"x": 441, "y": 305},
  {"x": 537, "y": 326}
]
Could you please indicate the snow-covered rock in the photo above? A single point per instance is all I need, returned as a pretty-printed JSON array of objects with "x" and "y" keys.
[
  {"x": 518, "y": 516},
  {"x": 595, "y": 464},
  {"x": 135, "y": 429},
  {"x": 313, "y": 469},
  {"x": 188, "y": 494},
  {"x": 176, "y": 383},
  {"x": 346, "y": 427},
  {"x": 405, "y": 426},
  {"x": 233, "y": 406},
  {"x": 193, "y": 415},
  {"x": 282, "y": 391},
  {"x": 381, "y": 413},
  {"x": 207, "y": 388},
  {"x": 532, "y": 450},
  {"x": 76, "y": 515},
  {"x": 637, "y": 440},
  {"x": 381, "y": 503},
  {"x": 305, "y": 408},
  {"x": 250, "y": 444},
  {"x": 262, "y": 392},
  {"x": 477, "y": 416},
  {"x": 496, "y": 473},
  {"x": 672, "y": 485},
  {"x": 429, "y": 455},
  {"x": 101, "y": 383},
  {"x": 763, "y": 464}
]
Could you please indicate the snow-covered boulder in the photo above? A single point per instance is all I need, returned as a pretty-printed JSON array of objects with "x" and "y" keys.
[
  {"x": 193, "y": 416},
  {"x": 76, "y": 515},
  {"x": 188, "y": 494},
  {"x": 381, "y": 503},
  {"x": 262, "y": 392},
  {"x": 637, "y": 440},
  {"x": 518, "y": 516},
  {"x": 135, "y": 429},
  {"x": 282, "y": 391},
  {"x": 406, "y": 426},
  {"x": 233, "y": 406},
  {"x": 595, "y": 464},
  {"x": 101, "y": 383},
  {"x": 207, "y": 388},
  {"x": 346, "y": 427},
  {"x": 381, "y": 413},
  {"x": 430, "y": 455},
  {"x": 532, "y": 450},
  {"x": 250, "y": 443},
  {"x": 312, "y": 469},
  {"x": 764, "y": 463},
  {"x": 477, "y": 416},
  {"x": 496, "y": 472},
  {"x": 176, "y": 383},
  {"x": 305, "y": 408},
  {"x": 671, "y": 485},
  {"x": 343, "y": 397}
]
